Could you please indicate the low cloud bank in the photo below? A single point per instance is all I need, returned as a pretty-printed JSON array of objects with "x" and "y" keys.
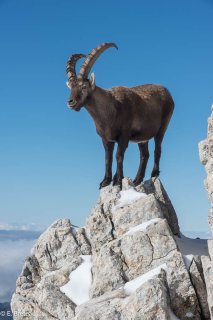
[{"x": 15, "y": 246}]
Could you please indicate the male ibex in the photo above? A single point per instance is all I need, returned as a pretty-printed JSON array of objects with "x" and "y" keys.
[{"x": 121, "y": 115}]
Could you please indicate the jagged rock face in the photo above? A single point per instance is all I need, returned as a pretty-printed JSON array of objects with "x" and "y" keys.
[
  {"x": 208, "y": 275},
  {"x": 206, "y": 158},
  {"x": 138, "y": 271},
  {"x": 198, "y": 281},
  {"x": 55, "y": 255}
]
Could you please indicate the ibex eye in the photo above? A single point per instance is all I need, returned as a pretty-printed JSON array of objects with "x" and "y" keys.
[{"x": 84, "y": 86}]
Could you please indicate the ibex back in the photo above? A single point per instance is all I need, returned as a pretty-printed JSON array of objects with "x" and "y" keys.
[{"x": 121, "y": 115}]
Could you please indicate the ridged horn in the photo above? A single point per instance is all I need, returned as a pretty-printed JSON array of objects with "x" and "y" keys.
[
  {"x": 71, "y": 73},
  {"x": 92, "y": 57}
]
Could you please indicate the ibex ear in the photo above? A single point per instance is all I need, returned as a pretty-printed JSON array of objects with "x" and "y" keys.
[
  {"x": 68, "y": 85},
  {"x": 92, "y": 80}
]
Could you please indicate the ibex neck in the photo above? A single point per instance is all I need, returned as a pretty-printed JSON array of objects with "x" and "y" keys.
[{"x": 101, "y": 106}]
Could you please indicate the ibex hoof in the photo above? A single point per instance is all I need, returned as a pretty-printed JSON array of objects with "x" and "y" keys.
[
  {"x": 105, "y": 183},
  {"x": 155, "y": 174},
  {"x": 137, "y": 182},
  {"x": 117, "y": 182}
]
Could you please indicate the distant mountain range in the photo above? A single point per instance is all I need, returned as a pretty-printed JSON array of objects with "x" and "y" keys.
[{"x": 197, "y": 234}]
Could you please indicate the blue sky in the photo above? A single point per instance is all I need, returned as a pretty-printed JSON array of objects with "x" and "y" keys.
[{"x": 51, "y": 158}]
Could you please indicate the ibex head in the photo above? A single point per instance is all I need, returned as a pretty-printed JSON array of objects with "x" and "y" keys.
[{"x": 82, "y": 87}]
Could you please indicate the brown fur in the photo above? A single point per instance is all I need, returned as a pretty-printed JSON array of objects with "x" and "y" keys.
[
  {"x": 124, "y": 114},
  {"x": 121, "y": 115}
]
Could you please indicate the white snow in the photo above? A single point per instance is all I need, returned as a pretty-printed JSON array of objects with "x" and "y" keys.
[
  {"x": 172, "y": 316},
  {"x": 133, "y": 285},
  {"x": 128, "y": 196},
  {"x": 77, "y": 289},
  {"x": 188, "y": 260},
  {"x": 189, "y": 315},
  {"x": 142, "y": 226},
  {"x": 190, "y": 246},
  {"x": 74, "y": 230}
]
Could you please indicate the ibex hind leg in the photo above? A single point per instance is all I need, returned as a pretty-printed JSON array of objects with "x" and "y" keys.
[
  {"x": 158, "y": 141},
  {"x": 122, "y": 145},
  {"x": 157, "y": 155},
  {"x": 115, "y": 179},
  {"x": 144, "y": 157}
]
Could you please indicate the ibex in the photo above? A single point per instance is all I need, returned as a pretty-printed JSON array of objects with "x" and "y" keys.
[{"x": 121, "y": 115}]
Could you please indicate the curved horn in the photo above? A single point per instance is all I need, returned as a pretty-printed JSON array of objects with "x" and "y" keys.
[
  {"x": 71, "y": 65},
  {"x": 92, "y": 57}
]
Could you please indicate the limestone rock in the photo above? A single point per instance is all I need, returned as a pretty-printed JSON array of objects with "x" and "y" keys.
[
  {"x": 106, "y": 307},
  {"x": 206, "y": 158},
  {"x": 113, "y": 216},
  {"x": 198, "y": 281},
  {"x": 149, "y": 301},
  {"x": 154, "y": 186},
  {"x": 55, "y": 255},
  {"x": 208, "y": 275},
  {"x": 133, "y": 254},
  {"x": 138, "y": 271},
  {"x": 132, "y": 214}
]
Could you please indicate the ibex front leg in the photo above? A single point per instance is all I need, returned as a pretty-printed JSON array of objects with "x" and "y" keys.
[
  {"x": 109, "y": 147},
  {"x": 144, "y": 156},
  {"x": 122, "y": 145}
]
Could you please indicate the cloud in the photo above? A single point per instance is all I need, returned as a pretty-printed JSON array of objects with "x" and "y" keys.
[
  {"x": 17, "y": 235},
  {"x": 16, "y": 242},
  {"x": 13, "y": 254},
  {"x": 22, "y": 227}
]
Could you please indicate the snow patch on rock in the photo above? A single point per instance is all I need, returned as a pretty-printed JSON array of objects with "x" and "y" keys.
[
  {"x": 172, "y": 316},
  {"x": 129, "y": 196},
  {"x": 131, "y": 286},
  {"x": 188, "y": 260},
  {"x": 142, "y": 226},
  {"x": 189, "y": 315},
  {"x": 77, "y": 289}
]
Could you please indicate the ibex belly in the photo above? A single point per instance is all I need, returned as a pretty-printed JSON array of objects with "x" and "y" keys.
[
  {"x": 145, "y": 131},
  {"x": 140, "y": 139}
]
